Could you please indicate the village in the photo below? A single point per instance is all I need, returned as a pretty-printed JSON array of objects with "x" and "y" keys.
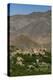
[
  {"x": 30, "y": 51},
  {"x": 30, "y": 60}
]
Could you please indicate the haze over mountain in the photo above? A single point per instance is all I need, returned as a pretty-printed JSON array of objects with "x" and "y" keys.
[{"x": 32, "y": 30}]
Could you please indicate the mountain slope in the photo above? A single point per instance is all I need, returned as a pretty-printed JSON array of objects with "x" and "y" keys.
[{"x": 35, "y": 26}]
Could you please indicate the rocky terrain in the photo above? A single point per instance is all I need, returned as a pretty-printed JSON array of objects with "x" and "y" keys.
[{"x": 32, "y": 30}]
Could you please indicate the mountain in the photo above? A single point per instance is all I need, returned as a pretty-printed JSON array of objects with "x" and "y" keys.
[
  {"x": 23, "y": 41},
  {"x": 32, "y": 29}
]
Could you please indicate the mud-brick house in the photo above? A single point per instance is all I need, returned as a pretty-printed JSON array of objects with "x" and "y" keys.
[
  {"x": 19, "y": 51},
  {"x": 36, "y": 51},
  {"x": 42, "y": 51}
]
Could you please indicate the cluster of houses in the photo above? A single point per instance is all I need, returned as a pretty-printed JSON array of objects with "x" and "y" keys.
[{"x": 30, "y": 51}]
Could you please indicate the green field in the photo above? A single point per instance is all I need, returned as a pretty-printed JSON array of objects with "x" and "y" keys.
[{"x": 22, "y": 65}]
